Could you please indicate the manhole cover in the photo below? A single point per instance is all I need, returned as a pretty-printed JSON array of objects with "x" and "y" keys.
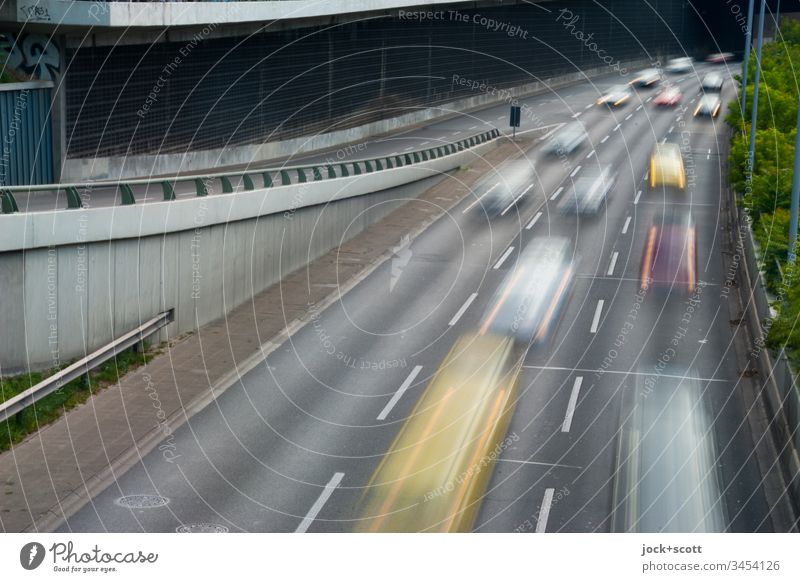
[
  {"x": 142, "y": 501},
  {"x": 202, "y": 528}
]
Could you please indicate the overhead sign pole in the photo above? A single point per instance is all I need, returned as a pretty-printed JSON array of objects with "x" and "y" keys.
[{"x": 516, "y": 114}]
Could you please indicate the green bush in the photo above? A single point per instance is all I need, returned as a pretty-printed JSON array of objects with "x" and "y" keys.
[{"x": 767, "y": 197}]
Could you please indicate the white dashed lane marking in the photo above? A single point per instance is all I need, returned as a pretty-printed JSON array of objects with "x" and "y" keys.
[
  {"x": 534, "y": 221},
  {"x": 463, "y": 309},
  {"x": 502, "y": 259},
  {"x": 573, "y": 401},
  {"x": 613, "y": 264},
  {"x": 399, "y": 394},
  {"x": 597, "y": 313},
  {"x": 320, "y": 503}
]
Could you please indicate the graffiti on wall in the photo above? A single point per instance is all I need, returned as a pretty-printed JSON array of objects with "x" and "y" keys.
[{"x": 34, "y": 55}]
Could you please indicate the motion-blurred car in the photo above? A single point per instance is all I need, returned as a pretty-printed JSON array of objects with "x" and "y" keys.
[
  {"x": 666, "y": 166},
  {"x": 712, "y": 82},
  {"x": 505, "y": 187},
  {"x": 719, "y": 58},
  {"x": 646, "y": 78},
  {"x": 667, "y": 478},
  {"x": 588, "y": 193},
  {"x": 709, "y": 105},
  {"x": 679, "y": 65},
  {"x": 669, "y": 259},
  {"x": 435, "y": 473},
  {"x": 616, "y": 96},
  {"x": 527, "y": 304},
  {"x": 567, "y": 139},
  {"x": 668, "y": 97}
]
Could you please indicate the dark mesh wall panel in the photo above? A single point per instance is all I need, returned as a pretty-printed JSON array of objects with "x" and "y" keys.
[{"x": 278, "y": 85}]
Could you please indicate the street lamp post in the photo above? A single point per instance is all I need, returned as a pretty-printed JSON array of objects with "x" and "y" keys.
[
  {"x": 759, "y": 44},
  {"x": 747, "y": 41}
]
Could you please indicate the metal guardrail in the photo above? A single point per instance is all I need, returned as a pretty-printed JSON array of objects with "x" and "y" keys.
[
  {"x": 267, "y": 177},
  {"x": 21, "y": 401},
  {"x": 780, "y": 391}
]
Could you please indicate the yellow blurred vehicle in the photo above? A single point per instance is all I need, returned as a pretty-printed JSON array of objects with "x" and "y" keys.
[
  {"x": 436, "y": 471},
  {"x": 666, "y": 166}
]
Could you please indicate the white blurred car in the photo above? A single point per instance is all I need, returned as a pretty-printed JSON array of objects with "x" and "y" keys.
[
  {"x": 679, "y": 65},
  {"x": 505, "y": 187},
  {"x": 709, "y": 105},
  {"x": 567, "y": 139},
  {"x": 712, "y": 82},
  {"x": 646, "y": 78},
  {"x": 587, "y": 194},
  {"x": 616, "y": 96},
  {"x": 527, "y": 303},
  {"x": 667, "y": 478}
]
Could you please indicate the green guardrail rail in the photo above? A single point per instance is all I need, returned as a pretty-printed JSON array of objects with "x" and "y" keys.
[{"x": 205, "y": 185}]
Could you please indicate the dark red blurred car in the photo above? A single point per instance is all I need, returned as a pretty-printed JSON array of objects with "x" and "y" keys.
[
  {"x": 719, "y": 58},
  {"x": 669, "y": 97},
  {"x": 670, "y": 254}
]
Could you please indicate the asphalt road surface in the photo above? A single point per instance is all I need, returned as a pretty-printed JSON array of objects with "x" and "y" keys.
[{"x": 291, "y": 447}]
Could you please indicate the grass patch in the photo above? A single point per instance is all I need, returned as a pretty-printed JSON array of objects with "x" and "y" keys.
[{"x": 53, "y": 406}]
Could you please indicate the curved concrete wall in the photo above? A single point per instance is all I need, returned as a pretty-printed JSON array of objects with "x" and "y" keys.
[{"x": 71, "y": 281}]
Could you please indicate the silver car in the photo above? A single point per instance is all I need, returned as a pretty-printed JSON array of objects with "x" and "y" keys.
[
  {"x": 709, "y": 105},
  {"x": 616, "y": 96},
  {"x": 527, "y": 303},
  {"x": 667, "y": 476},
  {"x": 509, "y": 184},
  {"x": 679, "y": 65},
  {"x": 646, "y": 78},
  {"x": 588, "y": 193},
  {"x": 712, "y": 82},
  {"x": 567, "y": 139}
]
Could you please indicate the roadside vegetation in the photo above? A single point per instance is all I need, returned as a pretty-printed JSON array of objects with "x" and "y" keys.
[
  {"x": 768, "y": 196},
  {"x": 52, "y": 406}
]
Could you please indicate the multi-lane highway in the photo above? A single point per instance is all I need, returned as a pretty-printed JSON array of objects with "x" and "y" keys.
[{"x": 292, "y": 447}]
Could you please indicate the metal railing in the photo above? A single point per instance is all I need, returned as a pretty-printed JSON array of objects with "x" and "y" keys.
[
  {"x": 779, "y": 391},
  {"x": 242, "y": 180},
  {"x": 21, "y": 401}
]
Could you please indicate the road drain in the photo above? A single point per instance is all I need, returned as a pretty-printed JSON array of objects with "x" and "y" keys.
[
  {"x": 201, "y": 528},
  {"x": 142, "y": 501}
]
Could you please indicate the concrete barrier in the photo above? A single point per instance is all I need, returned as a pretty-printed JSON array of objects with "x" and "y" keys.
[
  {"x": 73, "y": 280},
  {"x": 779, "y": 392}
]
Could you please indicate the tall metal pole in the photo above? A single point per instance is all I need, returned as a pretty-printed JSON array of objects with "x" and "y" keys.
[
  {"x": 759, "y": 44},
  {"x": 795, "y": 193},
  {"x": 747, "y": 41},
  {"x": 777, "y": 19}
]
